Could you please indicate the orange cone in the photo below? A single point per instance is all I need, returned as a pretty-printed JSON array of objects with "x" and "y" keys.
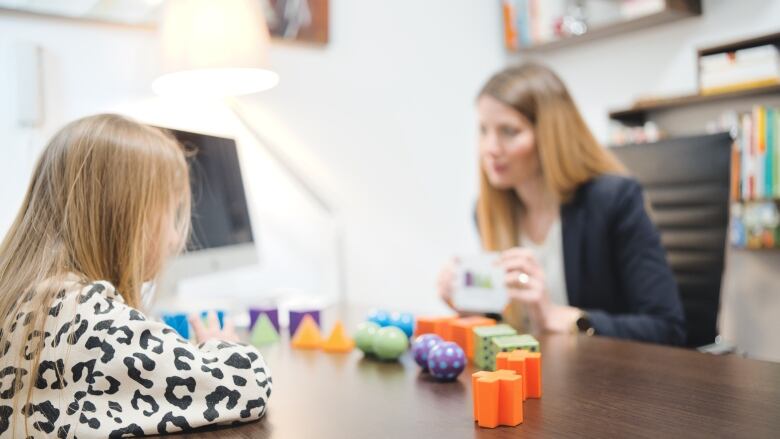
[
  {"x": 338, "y": 341},
  {"x": 308, "y": 334}
]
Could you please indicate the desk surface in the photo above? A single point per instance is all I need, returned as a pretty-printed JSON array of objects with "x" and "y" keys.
[{"x": 593, "y": 387}]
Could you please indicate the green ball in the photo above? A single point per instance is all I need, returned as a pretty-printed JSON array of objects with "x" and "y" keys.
[
  {"x": 364, "y": 337},
  {"x": 390, "y": 342}
]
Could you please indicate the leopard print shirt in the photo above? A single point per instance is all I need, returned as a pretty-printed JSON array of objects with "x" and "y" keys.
[{"x": 107, "y": 371}]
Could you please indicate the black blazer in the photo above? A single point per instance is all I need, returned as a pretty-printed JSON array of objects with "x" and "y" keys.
[{"x": 615, "y": 266}]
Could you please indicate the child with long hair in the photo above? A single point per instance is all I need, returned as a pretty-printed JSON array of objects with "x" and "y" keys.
[{"x": 108, "y": 203}]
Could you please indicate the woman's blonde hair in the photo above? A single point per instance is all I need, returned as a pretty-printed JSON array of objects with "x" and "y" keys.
[
  {"x": 568, "y": 152},
  {"x": 104, "y": 193}
]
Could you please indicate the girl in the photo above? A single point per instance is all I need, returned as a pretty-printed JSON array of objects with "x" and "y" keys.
[
  {"x": 579, "y": 250},
  {"x": 109, "y": 201}
]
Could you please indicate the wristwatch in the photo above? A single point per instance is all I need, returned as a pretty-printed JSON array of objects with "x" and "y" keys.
[{"x": 583, "y": 324}]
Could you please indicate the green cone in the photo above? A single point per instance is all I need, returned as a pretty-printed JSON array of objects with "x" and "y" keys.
[{"x": 264, "y": 332}]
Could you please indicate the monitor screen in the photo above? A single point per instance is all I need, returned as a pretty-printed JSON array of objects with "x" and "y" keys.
[{"x": 220, "y": 215}]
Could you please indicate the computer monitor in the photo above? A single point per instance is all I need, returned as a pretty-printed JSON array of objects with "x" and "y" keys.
[{"x": 221, "y": 237}]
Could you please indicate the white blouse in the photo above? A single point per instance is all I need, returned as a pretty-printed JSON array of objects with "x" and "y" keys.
[{"x": 549, "y": 254}]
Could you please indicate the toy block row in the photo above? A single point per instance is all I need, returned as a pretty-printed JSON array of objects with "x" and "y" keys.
[
  {"x": 484, "y": 357},
  {"x": 453, "y": 329},
  {"x": 490, "y": 340},
  {"x": 308, "y": 337},
  {"x": 498, "y": 396},
  {"x": 296, "y": 316}
]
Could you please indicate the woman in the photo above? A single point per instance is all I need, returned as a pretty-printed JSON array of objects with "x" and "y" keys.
[
  {"x": 579, "y": 250},
  {"x": 109, "y": 201}
]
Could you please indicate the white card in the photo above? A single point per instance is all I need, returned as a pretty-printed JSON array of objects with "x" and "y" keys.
[{"x": 479, "y": 284}]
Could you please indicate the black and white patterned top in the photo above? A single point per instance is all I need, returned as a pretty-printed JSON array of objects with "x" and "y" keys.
[{"x": 108, "y": 371}]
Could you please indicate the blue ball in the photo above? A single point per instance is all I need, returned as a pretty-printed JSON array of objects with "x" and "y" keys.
[
  {"x": 446, "y": 361},
  {"x": 380, "y": 317},
  {"x": 404, "y": 322}
]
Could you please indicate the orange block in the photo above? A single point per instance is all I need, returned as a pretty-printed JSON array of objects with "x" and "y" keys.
[
  {"x": 502, "y": 361},
  {"x": 434, "y": 325},
  {"x": 461, "y": 332},
  {"x": 424, "y": 325},
  {"x": 510, "y": 404},
  {"x": 338, "y": 341},
  {"x": 477, "y": 375},
  {"x": 497, "y": 398},
  {"x": 514, "y": 361},
  {"x": 487, "y": 391},
  {"x": 308, "y": 334},
  {"x": 529, "y": 365},
  {"x": 533, "y": 367}
]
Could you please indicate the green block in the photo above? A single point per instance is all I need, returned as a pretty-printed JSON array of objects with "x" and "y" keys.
[
  {"x": 510, "y": 343},
  {"x": 482, "y": 337},
  {"x": 264, "y": 332}
]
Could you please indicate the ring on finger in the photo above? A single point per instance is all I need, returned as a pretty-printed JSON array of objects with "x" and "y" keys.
[{"x": 523, "y": 279}]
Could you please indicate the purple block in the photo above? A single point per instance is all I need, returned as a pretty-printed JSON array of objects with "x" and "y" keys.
[
  {"x": 421, "y": 346},
  {"x": 272, "y": 313},
  {"x": 446, "y": 361},
  {"x": 297, "y": 316}
]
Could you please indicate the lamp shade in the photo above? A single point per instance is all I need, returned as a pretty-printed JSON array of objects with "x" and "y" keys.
[{"x": 214, "y": 48}]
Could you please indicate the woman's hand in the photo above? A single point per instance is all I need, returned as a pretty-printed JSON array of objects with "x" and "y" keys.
[
  {"x": 446, "y": 281},
  {"x": 211, "y": 330},
  {"x": 526, "y": 283}
]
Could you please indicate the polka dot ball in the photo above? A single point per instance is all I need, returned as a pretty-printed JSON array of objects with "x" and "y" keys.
[
  {"x": 421, "y": 346},
  {"x": 446, "y": 361}
]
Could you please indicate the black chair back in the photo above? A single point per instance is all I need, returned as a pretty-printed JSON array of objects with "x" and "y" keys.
[{"x": 686, "y": 181}]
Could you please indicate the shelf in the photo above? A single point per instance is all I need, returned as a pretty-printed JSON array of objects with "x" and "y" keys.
[
  {"x": 740, "y": 44},
  {"x": 757, "y": 200},
  {"x": 674, "y": 10},
  {"x": 755, "y": 249},
  {"x": 637, "y": 114}
]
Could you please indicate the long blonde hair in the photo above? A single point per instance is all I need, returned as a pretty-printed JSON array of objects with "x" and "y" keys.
[
  {"x": 568, "y": 152},
  {"x": 102, "y": 196}
]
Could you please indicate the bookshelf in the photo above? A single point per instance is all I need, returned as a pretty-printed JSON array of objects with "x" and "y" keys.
[
  {"x": 754, "y": 121},
  {"x": 639, "y": 112},
  {"x": 670, "y": 11}
]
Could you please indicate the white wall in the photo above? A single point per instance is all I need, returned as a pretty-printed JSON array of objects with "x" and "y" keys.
[
  {"x": 381, "y": 119},
  {"x": 609, "y": 74},
  {"x": 86, "y": 68}
]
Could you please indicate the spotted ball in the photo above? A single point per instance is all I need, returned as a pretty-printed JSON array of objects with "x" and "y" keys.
[
  {"x": 422, "y": 344},
  {"x": 446, "y": 361}
]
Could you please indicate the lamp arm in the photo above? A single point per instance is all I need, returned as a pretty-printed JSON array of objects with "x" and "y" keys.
[
  {"x": 304, "y": 184},
  {"x": 281, "y": 159}
]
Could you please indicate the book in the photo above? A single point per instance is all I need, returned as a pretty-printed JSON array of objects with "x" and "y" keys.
[
  {"x": 760, "y": 151},
  {"x": 746, "y": 149},
  {"x": 523, "y": 23},
  {"x": 769, "y": 151},
  {"x": 777, "y": 152},
  {"x": 741, "y": 69},
  {"x": 510, "y": 12}
]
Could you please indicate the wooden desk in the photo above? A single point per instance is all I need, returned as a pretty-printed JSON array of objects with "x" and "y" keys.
[{"x": 593, "y": 387}]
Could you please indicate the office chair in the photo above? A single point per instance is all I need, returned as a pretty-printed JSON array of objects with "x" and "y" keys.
[{"x": 686, "y": 181}]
